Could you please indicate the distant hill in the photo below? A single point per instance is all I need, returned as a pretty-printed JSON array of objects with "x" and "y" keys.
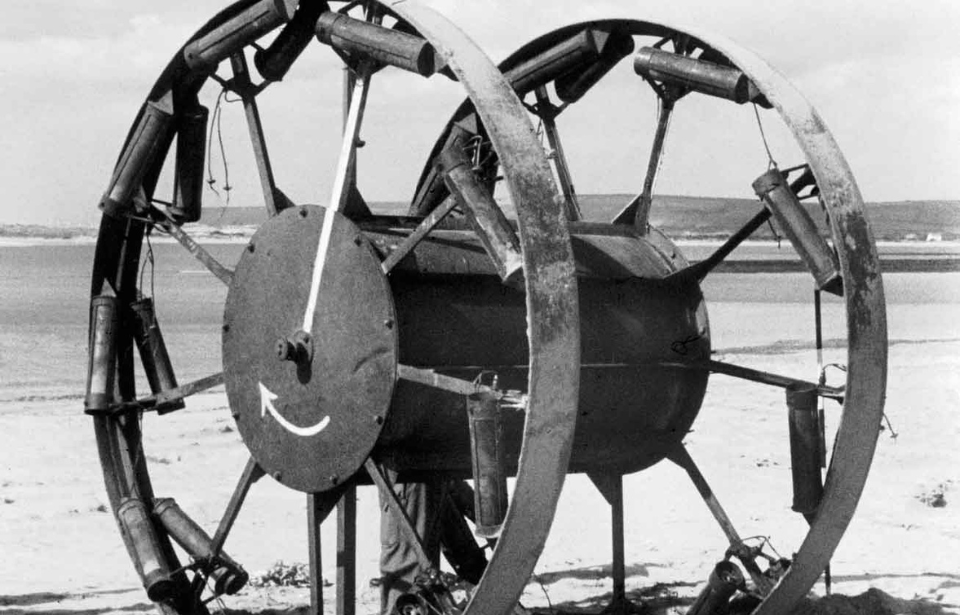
[
  {"x": 680, "y": 217},
  {"x": 706, "y": 217}
]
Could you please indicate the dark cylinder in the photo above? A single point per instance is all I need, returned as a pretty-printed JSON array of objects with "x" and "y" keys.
[
  {"x": 698, "y": 75},
  {"x": 489, "y": 475},
  {"x": 563, "y": 57},
  {"x": 206, "y": 52},
  {"x": 432, "y": 190},
  {"x": 804, "y": 448},
  {"x": 454, "y": 315},
  {"x": 145, "y": 549},
  {"x": 800, "y": 229},
  {"x": 377, "y": 43},
  {"x": 725, "y": 579},
  {"x": 613, "y": 46},
  {"x": 274, "y": 61},
  {"x": 191, "y": 157},
  {"x": 492, "y": 226},
  {"x": 226, "y": 575},
  {"x": 138, "y": 154},
  {"x": 153, "y": 352},
  {"x": 102, "y": 354}
]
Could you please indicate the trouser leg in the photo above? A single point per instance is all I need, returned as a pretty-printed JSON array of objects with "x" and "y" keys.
[{"x": 399, "y": 563}]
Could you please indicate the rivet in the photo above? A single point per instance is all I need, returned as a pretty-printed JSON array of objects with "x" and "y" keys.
[
  {"x": 251, "y": 248},
  {"x": 388, "y": 323},
  {"x": 277, "y": 475},
  {"x": 303, "y": 212},
  {"x": 334, "y": 479},
  {"x": 378, "y": 420},
  {"x": 226, "y": 328},
  {"x": 357, "y": 240}
]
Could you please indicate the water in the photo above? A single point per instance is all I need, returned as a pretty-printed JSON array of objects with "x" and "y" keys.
[{"x": 44, "y": 298}]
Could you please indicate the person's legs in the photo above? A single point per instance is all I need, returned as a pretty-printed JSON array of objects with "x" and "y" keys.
[{"x": 399, "y": 563}]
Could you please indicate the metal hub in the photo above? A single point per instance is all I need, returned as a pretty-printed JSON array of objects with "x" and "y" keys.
[{"x": 309, "y": 396}]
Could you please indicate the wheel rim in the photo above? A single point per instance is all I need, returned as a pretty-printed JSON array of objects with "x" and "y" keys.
[
  {"x": 551, "y": 296},
  {"x": 856, "y": 436}
]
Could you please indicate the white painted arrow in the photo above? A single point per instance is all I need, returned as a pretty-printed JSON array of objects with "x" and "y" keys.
[{"x": 266, "y": 405}]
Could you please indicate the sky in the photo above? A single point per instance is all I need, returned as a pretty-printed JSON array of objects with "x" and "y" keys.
[{"x": 884, "y": 75}]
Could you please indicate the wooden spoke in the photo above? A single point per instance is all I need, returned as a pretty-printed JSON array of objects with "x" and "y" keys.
[
  {"x": 214, "y": 266},
  {"x": 460, "y": 386},
  {"x": 423, "y": 229},
  {"x": 637, "y": 212},
  {"x": 699, "y": 271},
  {"x": 252, "y": 472},
  {"x": 681, "y": 457},
  {"x": 272, "y": 197},
  {"x": 755, "y": 375},
  {"x": 346, "y": 164},
  {"x": 164, "y": 398},
  {"x": 548, "y": 112}
]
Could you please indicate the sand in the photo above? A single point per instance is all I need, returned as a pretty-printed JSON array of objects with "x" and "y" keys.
[{"x": 62, "y": 552}]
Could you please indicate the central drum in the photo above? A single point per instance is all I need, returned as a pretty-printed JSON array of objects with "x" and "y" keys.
[
  {"x": 644, "y": 341},
  {"x": 312, "y": 400}
]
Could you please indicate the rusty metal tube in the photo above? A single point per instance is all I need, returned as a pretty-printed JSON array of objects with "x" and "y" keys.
[
  {"x": 206, "y": 52},
  {"x": 138, "y": 154},
  {"x": 543, "y": 68},
  {"x": 191, "y": 155},
  {"x": 384, "y": 45},
  {"x": 800, "y": 229},
  {"x": 804, "y": 448},
  {"x": 489, "y": 475},
  {"x": 153, "y": 352},
  {"x": 226, "y": 575},
  {"x": 491, "y": 224},
  {"x": 613, "y": 47},
  {"x": 725, "y": 579},
  {"x": 698, "y": 75},
  {"x": 102, "y": 354},
  {"x": 145, "y": 549},
  {"x": 432, "y": 190},
  {"x": 273, "y": 62}
]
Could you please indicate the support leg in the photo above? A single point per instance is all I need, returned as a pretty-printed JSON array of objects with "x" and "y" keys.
[
  {"x": 347, "y": 553},
  {"x": 314, "y": 518},
  {"x": 611, "y": 487}
]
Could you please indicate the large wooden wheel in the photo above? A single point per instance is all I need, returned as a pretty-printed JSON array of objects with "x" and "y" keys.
[
  {"x": 552, "y": 74},
  {"x": 278, "y": 304}
]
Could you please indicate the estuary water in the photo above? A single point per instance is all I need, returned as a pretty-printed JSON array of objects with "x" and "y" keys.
[{"x": 44, "y": 298}]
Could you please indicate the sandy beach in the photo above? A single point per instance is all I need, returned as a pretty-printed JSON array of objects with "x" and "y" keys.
[{"x": 63, "y": 553}]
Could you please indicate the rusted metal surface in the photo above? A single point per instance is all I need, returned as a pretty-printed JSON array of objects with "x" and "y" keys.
[
  {"x": 244, "y": 87},
  {"x": 856, "y": 437},
  {"x": 309, "y": 424},
  {"x": 800, "y": 229},
  {"x": 551, "y": 304},
  {"x": 447, "y": 276},
  {"x": 275, "y": 60},
  {"x": 205, "y": 52},
  {"x": 491, "y": 224},
  {"x": 638, "y": 211},
  {"x": 697, "y": 75},
  {"x": 547, "y": 111},
  {"x": 375, "y": 43}
]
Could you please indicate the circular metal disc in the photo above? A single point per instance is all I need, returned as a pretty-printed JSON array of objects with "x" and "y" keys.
[{"x": 309, "y": 424}]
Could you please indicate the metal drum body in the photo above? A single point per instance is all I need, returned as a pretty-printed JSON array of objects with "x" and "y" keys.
[{"x": 456, "y": 317}]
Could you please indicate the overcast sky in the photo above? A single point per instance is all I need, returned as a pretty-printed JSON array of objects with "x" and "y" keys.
[{"x": 884, "y": 75}]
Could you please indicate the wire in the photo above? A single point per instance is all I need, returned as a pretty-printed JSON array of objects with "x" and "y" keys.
[{"x": 772, "y": 163}]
